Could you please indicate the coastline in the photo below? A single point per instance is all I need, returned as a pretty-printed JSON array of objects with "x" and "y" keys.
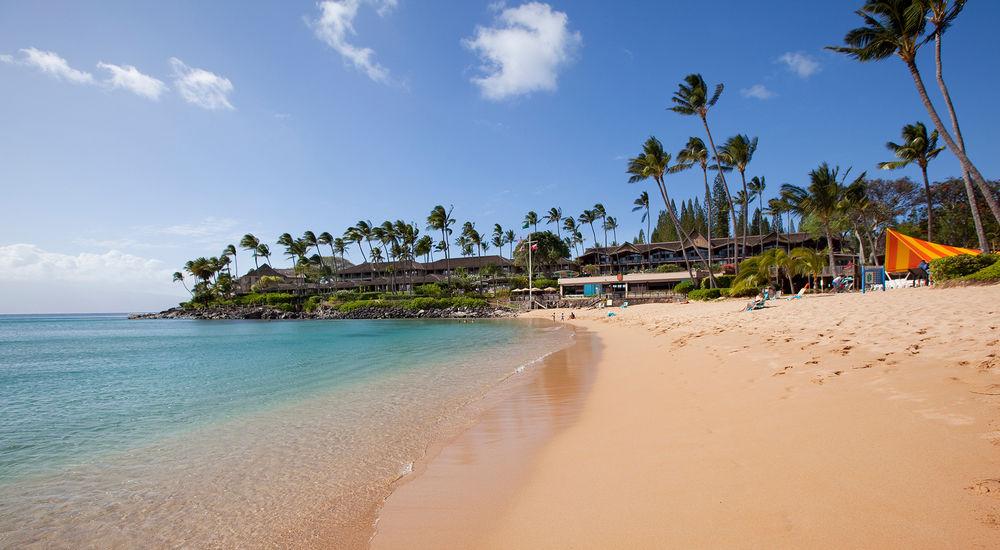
[
  {"x": 833, "y": 421},
  {"x": 364, "y": 313}
]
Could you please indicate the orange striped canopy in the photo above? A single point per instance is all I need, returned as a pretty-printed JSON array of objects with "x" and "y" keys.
[{"x": 903, "y": 253}]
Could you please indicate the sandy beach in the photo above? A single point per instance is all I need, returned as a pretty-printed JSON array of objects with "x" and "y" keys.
[{"x": 832, "y": 421}]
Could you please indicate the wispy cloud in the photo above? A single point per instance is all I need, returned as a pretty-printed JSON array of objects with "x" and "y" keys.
[
  {"x": 51, "y": 64},
  {"x": 336, "y": 23},
  {"x": 28, "y": 262},
  {"x": 800, "y": 63},
  {"x": 200, "y": 87},
  {"x": 524, "y": 51},
  {"x": 210, "y": 228},
  {"x": 129, "y": 78},
  {"x": 757, "y": 91}
]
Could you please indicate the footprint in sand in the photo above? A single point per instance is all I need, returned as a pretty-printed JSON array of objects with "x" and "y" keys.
[{"x": 989, "y": 487}]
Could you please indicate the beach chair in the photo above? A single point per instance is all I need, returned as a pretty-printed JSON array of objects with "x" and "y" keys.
[
  {"x": 798, "y": 296},
  {"x": 756, "y": 304}
]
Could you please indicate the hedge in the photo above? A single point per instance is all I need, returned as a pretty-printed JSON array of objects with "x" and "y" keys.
[
  {"x": 987, "y": 274},
  {"x": 268, "y": 299},
  {"x": 414, "y": 304},
  {"x": 684, "y": 287},
  {"x": 721, "y": 281},
  {"x": 705, "y": 294},
  {"x": 956, "y": 267}
]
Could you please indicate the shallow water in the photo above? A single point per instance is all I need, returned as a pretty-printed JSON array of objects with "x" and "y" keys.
[{"x": 230, "y": 433}]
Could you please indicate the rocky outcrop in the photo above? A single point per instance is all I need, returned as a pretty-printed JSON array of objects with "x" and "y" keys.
[{"x": 263, "y": 312}]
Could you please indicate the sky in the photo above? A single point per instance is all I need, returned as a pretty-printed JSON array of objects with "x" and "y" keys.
[{"x": 138, "y": 135}]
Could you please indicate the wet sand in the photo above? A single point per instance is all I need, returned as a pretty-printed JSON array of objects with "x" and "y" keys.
[{"x": 833, "y": 421}]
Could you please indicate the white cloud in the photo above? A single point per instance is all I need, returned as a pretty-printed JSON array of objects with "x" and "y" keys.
[
  {"x": 800, "y": 63},
  {"x": 524, "y": 51},
  {"x": 129, "y": 78},
  {"x": 200, "y": 87},
  {"x": 28, "y": 262},
  {"x": 219, "y": 229},
  {"x": 758, "y": 91},
  {"x": 336, "y": 23},
  {"x": 6, "y": 58},
  {"x": 51, "y": 64}
]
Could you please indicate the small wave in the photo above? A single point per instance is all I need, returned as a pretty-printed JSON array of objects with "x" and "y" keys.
[{"x": 405, "y": 470}]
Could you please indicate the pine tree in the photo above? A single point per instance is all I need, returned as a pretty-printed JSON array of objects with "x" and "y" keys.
[{"x": 720, "y": 211}]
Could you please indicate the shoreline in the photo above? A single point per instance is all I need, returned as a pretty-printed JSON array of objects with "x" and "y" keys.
[{"x": 832, "y": 421}]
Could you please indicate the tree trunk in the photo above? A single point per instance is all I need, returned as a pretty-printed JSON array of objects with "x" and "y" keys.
[
  {"x": 725, "y": 187},
  {"x": 829, "y": 245},
  {"x": 746, "y": 211},
  {"x": 681, "y": 235},
  {"x": 708, "y": 221},
  {"x": 649, "y": 238},
  {"x": 967, "y": 165},
  {"x": 966, "y": 178},
  {"x": 930, "y": 205}
]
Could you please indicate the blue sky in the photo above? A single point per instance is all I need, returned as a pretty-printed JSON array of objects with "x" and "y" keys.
[{"x": 140, "y": 134}]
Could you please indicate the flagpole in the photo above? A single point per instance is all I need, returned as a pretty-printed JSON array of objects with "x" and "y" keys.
[{"x": 531, "y": 302}]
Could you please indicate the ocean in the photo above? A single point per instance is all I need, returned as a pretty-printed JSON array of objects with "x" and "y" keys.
[{"x": 232, "y": 433}]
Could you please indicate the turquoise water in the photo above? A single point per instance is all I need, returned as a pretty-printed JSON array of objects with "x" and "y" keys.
[{"x": 96, "y": 410}]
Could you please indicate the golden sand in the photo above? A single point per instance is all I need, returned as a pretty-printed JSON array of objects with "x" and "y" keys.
[{"x": 832, "y": 421}]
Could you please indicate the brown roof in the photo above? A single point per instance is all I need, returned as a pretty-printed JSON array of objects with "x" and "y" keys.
[{"x": 699, "y": 241}]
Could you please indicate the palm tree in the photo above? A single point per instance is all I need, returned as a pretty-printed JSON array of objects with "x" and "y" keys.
[
  {"x": 692, "y": 99},
  {"x": 756, "y": 270},
  {"x": 896, "y": 27},
  {"x": 653, "y": 163},
  {"x": 813, "y": 262},
  {"x": 601, "y": 214},
  {"x": 286, "y": 240},
  {"x": 353, "y": 235},
  {"x": 230, "y": 251},
  {"x": 696, "y": 152},
  {"x": 179, "y": 278},
  {"x": 424, "y": 247},
  {"x": 327, "y": 239},
  {"x": 263, "y": 251},
  {"x": 509, "y": 238},
  {"x": 364, "y": 229},
  {"x": 920, "y": 148},
  {"x": 339, "y": 247},
  {"x": 756, "y": 187},
  {"x": 530, "y": 220},
  {"x": 943, "y": 13},
  {"x": 822, "y": 199},
  {"x": 737, "y": 152},
  {"x": 249, "y": 242},
  {"x": 555, "y": 215},
  {"x": 642, "y": 204},
  {"x": 498, "y": 238},
  {"x": 611, "y": 224},
  {"x": 776, "y": 207},
  {"x": 441, "y": 220},
  {"x": 310, "y": 239},
  {"x": 589, "y": 216}
]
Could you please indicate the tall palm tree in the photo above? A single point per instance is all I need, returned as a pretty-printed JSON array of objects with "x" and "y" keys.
[
  {"x": 286, "y": 240},
  {"x": 364, "y": 229},
  {"x": 424, "y": 247},
  {"x": 611, "y": 224},
  {"x": 822, "y": 199},
  {"x": 179, "y": 278},
  {"x": 653, "y": 163},
  {"x": 230, "y": 252},
  {"x": 327, "y": 239},
  {"x": 919, "y": 148},
  {"x": 352, "y": 235},
  {"x": 509, "y": 238},
  {"x": 440, "y": 220},
  {"x": 263, "y": 251},
  {"x": 756, "y": 186},
  {"x": 692, "y": 153},
  {"x": 249, "y": 242},
  {"x": 896, "y": 27},
  {"x": 589, "y": 216},
  {"x": 530, "y": 220},
  {"x": 555, "y": 215},
  {"x": 943, "y": 14},
  {"x": 692, "y": 98},
  {"x": 641, "y": 204},
  {"x": 339, "y": 248},
  {"x": 601, "y": 214},
  {"x": 737, "y": 152}
]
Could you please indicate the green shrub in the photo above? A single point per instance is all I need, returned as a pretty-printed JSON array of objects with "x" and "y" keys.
[
  {"x": 684, "y": 287},
  {"x": 954, "y": 267},
  {"x": 268, "y": 299},
  {"x": 545, "y": 283},
  {"x": 721, "y": 281},
  {"x": 668, "y": 268},
  {"x": 987, "y": 274},
  {"x": 518, "y": 281},
  {"x": 704, "y": 294},
  {"x": 743, "y": 292},
  {"x": 725, "y": 292},
  {"x": 312, "y": 303},
  {"x": 433, "y": 290}
]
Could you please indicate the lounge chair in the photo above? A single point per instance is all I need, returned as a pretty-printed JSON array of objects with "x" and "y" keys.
[
  {"x": 756, "y": 304},
  {"x": 797, "y": 296}
]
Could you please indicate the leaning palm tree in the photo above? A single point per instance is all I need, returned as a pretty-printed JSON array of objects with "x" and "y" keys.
[
  {"x": 756, "y": 186},
  {"x": 812, "y": 261},
  {"x": 916, "y": 148},
  {"x": 441, "y": 220},
  {"x": 943, "y": 14},
  {"x": 611, "y": 224},
  {"x": 249, "y": 242},
  {"x": 327, "y": 239},
  {"x": 263, "y": 251},
  {"x": 737, "y": 152},
  {"x": 509, "y": 238},
  {"x": 822, "y": 199},
  {"x": 179, "y": 278},
  {"x": 555, "y": 215},
  {"x": 692, "y": 98},
  {"x": 230, "y": 252},
  {"x": 693, "y": 153},
  {"x": 896, "y": 27},
  {"x": 352, "y": 235},
  {"x": 653, "y": 163},
  {"x": 530, "y": 220},
  {"x": 600, "y": 213},
  {"x": 589, "y": 217},
  {"x": 641, "y": 204}
]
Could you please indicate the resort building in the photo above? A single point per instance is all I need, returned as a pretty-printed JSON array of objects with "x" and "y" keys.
[
  {"x": 376, "y": 277},
  {"x": 638, "y": 257},
  {"x": 629, "y": 286}
]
